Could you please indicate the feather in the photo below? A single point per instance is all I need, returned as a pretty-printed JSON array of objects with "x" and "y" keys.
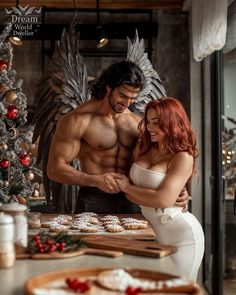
[
  {"x": 62, "y": 89},
  {"x": 154, "y": 87}
]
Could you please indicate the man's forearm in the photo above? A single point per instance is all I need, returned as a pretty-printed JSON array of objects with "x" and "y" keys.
[{"x": 68, "y": 175}]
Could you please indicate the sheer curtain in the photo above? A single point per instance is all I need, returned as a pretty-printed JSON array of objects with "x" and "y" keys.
[
  {"x": 209, "y": 23},
  {"x": 231, "y": 29}
]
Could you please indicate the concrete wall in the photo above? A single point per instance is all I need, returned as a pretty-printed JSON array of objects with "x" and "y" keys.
[{"x": 170, "y": 54}]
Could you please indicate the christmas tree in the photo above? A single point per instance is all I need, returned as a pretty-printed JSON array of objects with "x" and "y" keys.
[{"x": 17, "y": 170}]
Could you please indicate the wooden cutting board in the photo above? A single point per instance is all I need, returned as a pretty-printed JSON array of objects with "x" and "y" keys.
[
  {"x": 58, "y": 255},
  {"x": 137, "y": 247},
  {"x": 142, "y": 234}
]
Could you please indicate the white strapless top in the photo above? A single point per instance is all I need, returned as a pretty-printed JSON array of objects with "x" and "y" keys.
[{"x": 145, "y": 177}]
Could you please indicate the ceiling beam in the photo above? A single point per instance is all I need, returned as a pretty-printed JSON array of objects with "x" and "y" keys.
[{"x": 103, "y": 4}]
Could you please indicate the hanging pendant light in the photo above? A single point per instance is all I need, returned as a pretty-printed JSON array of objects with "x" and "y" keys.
[
  {"x": 101, "y": 36},
  {"x": 15, "y": 39}
]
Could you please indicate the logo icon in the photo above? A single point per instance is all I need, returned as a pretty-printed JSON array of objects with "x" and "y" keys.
[{"x": 25, "y": 20}]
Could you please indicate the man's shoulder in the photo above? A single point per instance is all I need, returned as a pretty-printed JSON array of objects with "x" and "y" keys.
[
  {"x": 89, "y": 107},
  {"x": 131, "y": 118},
  {"x": 81, "y": 114},
  {"x": 128, "y": 115}
]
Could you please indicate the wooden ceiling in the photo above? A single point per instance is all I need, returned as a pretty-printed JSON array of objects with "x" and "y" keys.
[{"x": 104, "y": 4}]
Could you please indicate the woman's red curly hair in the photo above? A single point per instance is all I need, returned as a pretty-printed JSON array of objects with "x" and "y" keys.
[{"x": 174, "y": 123}]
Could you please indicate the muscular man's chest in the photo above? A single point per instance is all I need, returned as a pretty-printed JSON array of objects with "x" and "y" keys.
[{"x": 104, "y": 134}]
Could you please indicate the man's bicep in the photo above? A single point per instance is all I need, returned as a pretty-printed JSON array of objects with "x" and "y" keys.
[{"x": 65, "y": 144}]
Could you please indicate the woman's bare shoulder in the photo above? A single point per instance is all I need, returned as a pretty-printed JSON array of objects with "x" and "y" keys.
[{"x": 183, "y": 159}]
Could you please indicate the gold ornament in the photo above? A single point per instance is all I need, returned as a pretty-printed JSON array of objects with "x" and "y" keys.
[
  {"x": 29, "y": 175},
  {"x": 3, "y": 88},
  {"x": 4, "y": 146},
  {"x": 10, "y": 96},
  {"x": 5, "y": 183},
  {"x": 14, "y": 133},
  {"x": 21, "y": 200}
]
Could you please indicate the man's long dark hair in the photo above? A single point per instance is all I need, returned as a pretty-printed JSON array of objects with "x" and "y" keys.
[{"x": 124, "y": 72}]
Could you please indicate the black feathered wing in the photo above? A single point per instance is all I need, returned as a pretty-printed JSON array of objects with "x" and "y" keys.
[
  {"x": 154, "y": 87},
  {"x": 63, "y": 89}
]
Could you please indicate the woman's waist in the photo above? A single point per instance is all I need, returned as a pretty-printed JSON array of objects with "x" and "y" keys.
[
  {"x": 172, "y": 211},
  {"x": 163, "y": 215}
]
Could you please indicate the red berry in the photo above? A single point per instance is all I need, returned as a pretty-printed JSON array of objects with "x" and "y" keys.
[
  {"x": 61, "y": 247},
  {"x": 83, "y": 287},
  {"x": 36, "y": 238},
  {"x": 39, "y": 245},
  {"x": 132, "y": 291},
  {"x": 68, "y": 281},
  {"x": 52, "y": 248},
  {"x": 49, "y": 242},
  {"x": 75, "y": 284}
]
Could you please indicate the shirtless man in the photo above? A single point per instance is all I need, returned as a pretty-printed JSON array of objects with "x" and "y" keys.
[{"x": 101, "y": 133}]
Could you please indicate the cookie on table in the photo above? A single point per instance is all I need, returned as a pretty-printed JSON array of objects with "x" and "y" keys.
[
  {"x": 77, "y": 225},
  {"x": 133, "y": 220},
  {"x": 114, "y": 228},
  {"x": 49, "y": 223},
  {"x": 64, "y": 222},
  {"x": 83, "y": 214},
  {"x": 109, "y": 218},
  {"x": 65, "y": 217},
  {"x": 107, "y": 222},
  {"x": 135, "y": 225},
  {"x": 59, "y": 229},
  {"x": 88, "y": 219},
  {"x": 89, "y": 229}
]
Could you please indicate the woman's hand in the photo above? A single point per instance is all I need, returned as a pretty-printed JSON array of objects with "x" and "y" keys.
[{"x": 122, "y": 183}]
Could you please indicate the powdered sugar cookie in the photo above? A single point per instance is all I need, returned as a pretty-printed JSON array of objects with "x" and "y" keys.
[
  {"x": 88, "y": 229},
  {"x": 111, "y": 222},
  {"x": 114, "y": 228},
  {"x": 48, "y": 224},
  {"x": 58, "y": 229},
  {"x": 65, "y": 217},
  {"x": 135, "y": 225},
  {"x": 109, "y": 217},
  {"x": 133, "y": 220},
  {"x": 91, "y": 214}
]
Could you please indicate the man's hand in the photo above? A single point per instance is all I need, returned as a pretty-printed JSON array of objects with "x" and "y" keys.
[
  {"x": 107, "y": 182},
  {"x": 183, "y": 200},
  {"x": 122, "y": 182}
]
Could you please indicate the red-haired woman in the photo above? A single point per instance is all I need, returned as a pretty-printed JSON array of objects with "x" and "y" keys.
[{"x": 164, "y": 161}]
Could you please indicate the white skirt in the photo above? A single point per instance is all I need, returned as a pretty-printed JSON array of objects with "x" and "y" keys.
[{"x": 180, "y": 229}]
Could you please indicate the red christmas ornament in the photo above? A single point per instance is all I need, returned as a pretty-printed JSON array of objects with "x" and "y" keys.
[
  {"x": 3, "y": 65},
  {"x": 4, "y": 163},
  {"x": 24, "y": 159},
  {"x": 12, "y": 112}
]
